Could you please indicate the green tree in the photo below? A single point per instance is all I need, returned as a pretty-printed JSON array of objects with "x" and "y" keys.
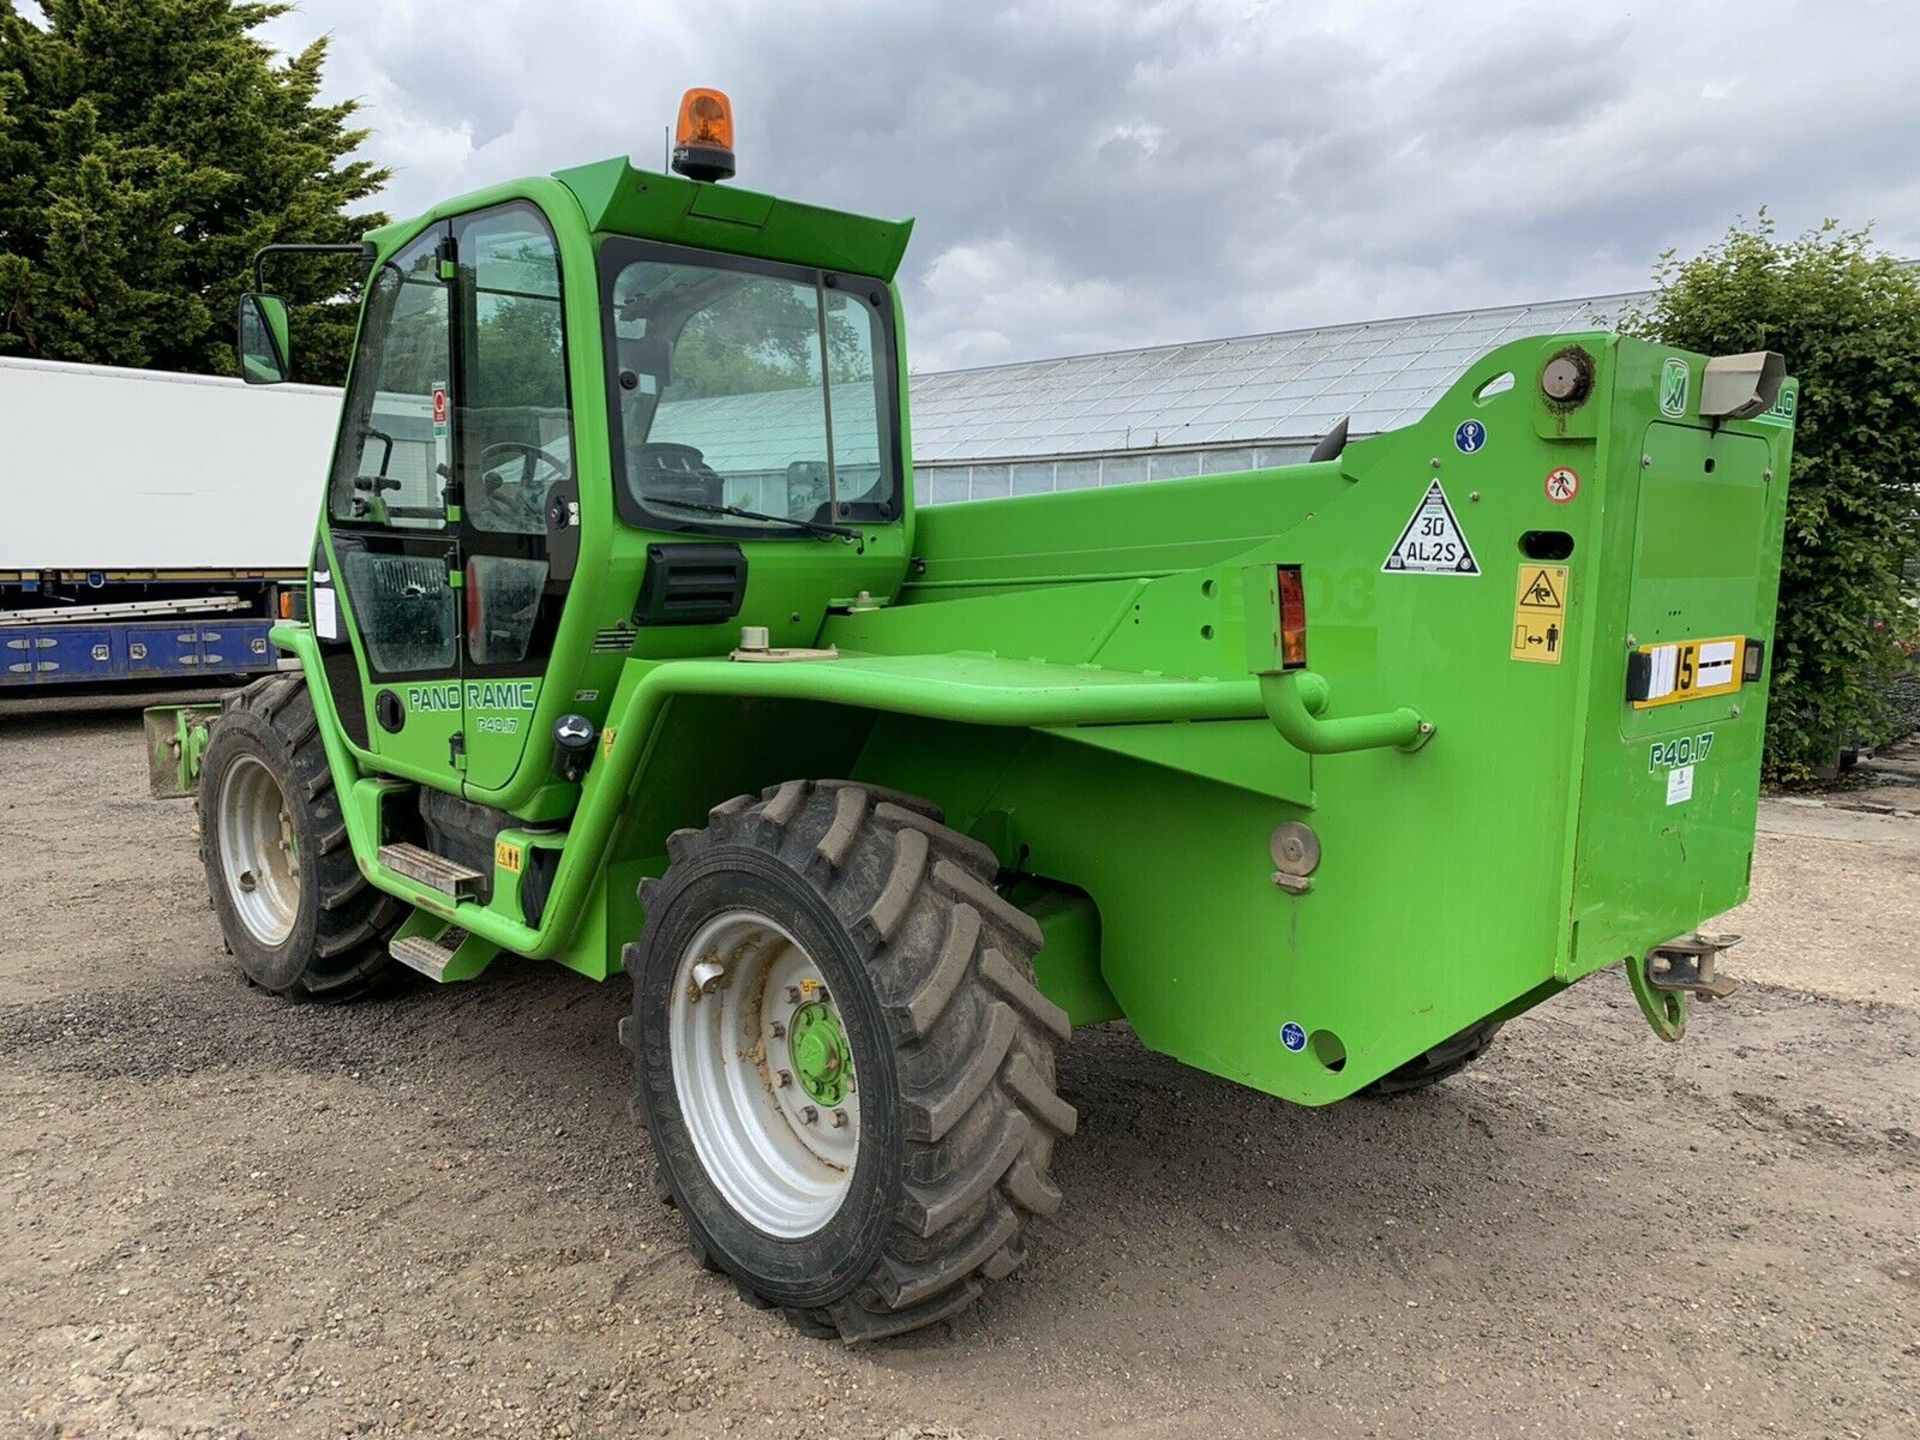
[
  {"x": 1847, "y": 318},
  {"x": 765, "y": 335},
  {"x": 147, "y": 149}
]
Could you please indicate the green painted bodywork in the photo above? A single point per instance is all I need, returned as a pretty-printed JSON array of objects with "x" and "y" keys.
[{"x": 1089, "y": 683}]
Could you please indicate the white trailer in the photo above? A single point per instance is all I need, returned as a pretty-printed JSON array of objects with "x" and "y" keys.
[{"x": 152, "y": 522}]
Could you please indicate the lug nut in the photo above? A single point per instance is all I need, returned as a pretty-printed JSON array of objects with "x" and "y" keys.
[
  {"x": 779, "y": 1030},
  {"x": 839, "y": 1119},
  {"x": 707, "y": 975},
  {"x": 785, "y": 1079},
  {"x": 809, "y": 1114},
  {"x": 793, "y": 994}
]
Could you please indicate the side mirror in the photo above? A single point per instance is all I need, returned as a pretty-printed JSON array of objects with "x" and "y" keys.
[{"x": 265, "y": 358}]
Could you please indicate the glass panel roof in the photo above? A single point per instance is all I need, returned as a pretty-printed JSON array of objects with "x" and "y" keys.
[{"x": 1291, "y": 386}]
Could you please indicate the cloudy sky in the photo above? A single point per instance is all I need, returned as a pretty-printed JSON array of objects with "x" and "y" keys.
[{"x": 1095, "y": 175}]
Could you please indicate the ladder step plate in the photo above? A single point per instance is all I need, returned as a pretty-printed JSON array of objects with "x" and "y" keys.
[
  {"x": 419, "y": 953},
  {"x": 449, "y": 877}
]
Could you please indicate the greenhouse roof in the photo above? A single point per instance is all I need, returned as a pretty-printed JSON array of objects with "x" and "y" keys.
[{"x": 1294, "y": 385}]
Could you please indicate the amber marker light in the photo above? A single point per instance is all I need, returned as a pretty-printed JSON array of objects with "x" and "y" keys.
[{"x": 703, "y": 143}]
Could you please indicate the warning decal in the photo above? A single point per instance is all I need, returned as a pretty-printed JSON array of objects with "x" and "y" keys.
[
  {"x": 1432, "y": 543},
  {"x": 1540, "y": 614}
]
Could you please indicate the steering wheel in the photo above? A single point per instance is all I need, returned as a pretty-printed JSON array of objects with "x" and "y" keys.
[
  {"x": 528, "y": 500},
  {"x": 531, "y": 455},
  {"x": 666, "y": 470}
]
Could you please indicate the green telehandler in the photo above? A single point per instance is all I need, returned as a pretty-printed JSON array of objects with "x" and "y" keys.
[{"x": 625, "y": 646}]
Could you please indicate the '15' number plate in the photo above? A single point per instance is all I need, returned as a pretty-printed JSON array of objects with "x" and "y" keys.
[{"x": 1685, "y": 670}]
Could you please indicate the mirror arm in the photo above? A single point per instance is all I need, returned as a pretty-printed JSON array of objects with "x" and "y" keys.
[{"x": 365, "y": 249}]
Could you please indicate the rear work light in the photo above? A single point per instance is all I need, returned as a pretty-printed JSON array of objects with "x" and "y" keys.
[{"x": 1293, "y": 619}]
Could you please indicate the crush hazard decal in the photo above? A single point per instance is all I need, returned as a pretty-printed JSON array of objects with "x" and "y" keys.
[
  {"x": 1540, "y": 613},
  {"x": 1432, "y": 543}
]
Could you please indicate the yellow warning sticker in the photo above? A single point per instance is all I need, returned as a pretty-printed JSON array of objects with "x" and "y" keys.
[
  {"x": 506, "y": 855},
  {"x": 1540, "y": 614}
]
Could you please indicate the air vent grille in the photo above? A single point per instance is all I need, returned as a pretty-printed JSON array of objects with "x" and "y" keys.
[{"x": 691, "y": 585}]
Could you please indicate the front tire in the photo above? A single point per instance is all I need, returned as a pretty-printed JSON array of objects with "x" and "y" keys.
[
  {"x": 842, "y": 1058},
  {"x": 296, "y": 911}
]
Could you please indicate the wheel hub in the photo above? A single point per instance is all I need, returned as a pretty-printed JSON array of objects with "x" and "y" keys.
[{"x": 821, "y": 1056}]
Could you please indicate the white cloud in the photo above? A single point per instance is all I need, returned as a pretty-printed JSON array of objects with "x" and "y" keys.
[{"x": 1106, "y": 174}]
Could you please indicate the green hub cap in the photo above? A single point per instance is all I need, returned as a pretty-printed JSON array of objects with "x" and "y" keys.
[{"x": 822, "y": 1059}]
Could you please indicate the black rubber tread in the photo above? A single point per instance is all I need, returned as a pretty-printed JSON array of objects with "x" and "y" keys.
[
  {"x": 972, "y": 1038},
  {"x": 1449, "y": 1057},
  {"x": 339, "y": 945}
]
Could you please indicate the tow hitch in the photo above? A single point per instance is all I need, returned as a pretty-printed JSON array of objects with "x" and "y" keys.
[
  {"x": 176, "y": 740},
  {"x": 1674, "y": 969}
]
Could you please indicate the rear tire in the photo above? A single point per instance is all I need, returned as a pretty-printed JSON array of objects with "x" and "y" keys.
[
  {"x": 833, "y": 902},
  {"x": 296, "y": 911},
  {"x": 1449, "y": 1057}
]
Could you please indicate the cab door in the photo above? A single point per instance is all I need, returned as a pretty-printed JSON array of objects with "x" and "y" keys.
[
  {"x": 393, "y": 578},
  {"x": 517, "y": 490}
]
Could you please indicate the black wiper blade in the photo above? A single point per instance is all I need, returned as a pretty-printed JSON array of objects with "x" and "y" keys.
[{"x": 821, "y": 528}]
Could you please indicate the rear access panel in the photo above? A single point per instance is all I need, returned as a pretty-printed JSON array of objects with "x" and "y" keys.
[
  {"x": 1671, "y": 781},
  {"x": 1700, "y": 535}
]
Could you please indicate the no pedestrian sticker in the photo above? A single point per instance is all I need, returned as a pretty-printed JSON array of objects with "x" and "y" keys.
[
  {"x": 1562, "y": 485},
  {"x": 1469, "y": 436},
  {"x": 1540, "y": 614},
  {"x": 1432, "y": 543}
]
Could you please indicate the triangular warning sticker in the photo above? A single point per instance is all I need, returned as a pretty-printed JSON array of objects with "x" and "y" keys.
[
  {"x": 1540, "y": 593},
  {"x": 1432, "y": 543}
]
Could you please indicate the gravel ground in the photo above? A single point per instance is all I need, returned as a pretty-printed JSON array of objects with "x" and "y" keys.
[{"x": 221, "y": 1215}]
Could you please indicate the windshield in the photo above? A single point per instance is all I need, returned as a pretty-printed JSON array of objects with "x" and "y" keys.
[{"x": 757, "y": 386}]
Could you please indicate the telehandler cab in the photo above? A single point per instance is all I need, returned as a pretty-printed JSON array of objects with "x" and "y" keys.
[{"x": 625, "y": 646}]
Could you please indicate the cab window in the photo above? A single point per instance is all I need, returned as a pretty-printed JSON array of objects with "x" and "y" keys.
[
  {"x": 747, "y": 385},
  {"x": 515, "y": 424},
  {"x": 391, "y": 465}
]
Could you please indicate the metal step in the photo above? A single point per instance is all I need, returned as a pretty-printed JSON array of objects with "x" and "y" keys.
[
  {"x": 449, "y": 877},
  {"x": 417, "y": 952}
]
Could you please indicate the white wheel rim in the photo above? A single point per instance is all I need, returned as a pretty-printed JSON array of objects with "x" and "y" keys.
[
  {"x": 778, "y": 1141},
  {"x": 258, "y": 852}
]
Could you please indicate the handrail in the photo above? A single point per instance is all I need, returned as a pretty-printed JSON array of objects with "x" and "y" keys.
[
  {"x": 603, "y": 793},
  {"x": 1296, "y": 701},
  {"x": 1293, "y": 701}
]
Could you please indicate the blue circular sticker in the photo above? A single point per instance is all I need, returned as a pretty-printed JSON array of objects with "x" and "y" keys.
[
  {"x": 1469, "y": 436},
  {"x": 1293, "y": 1037}
]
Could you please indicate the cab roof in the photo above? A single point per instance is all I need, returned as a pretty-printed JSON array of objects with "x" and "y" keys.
[{"x": 623, "y": 200}]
